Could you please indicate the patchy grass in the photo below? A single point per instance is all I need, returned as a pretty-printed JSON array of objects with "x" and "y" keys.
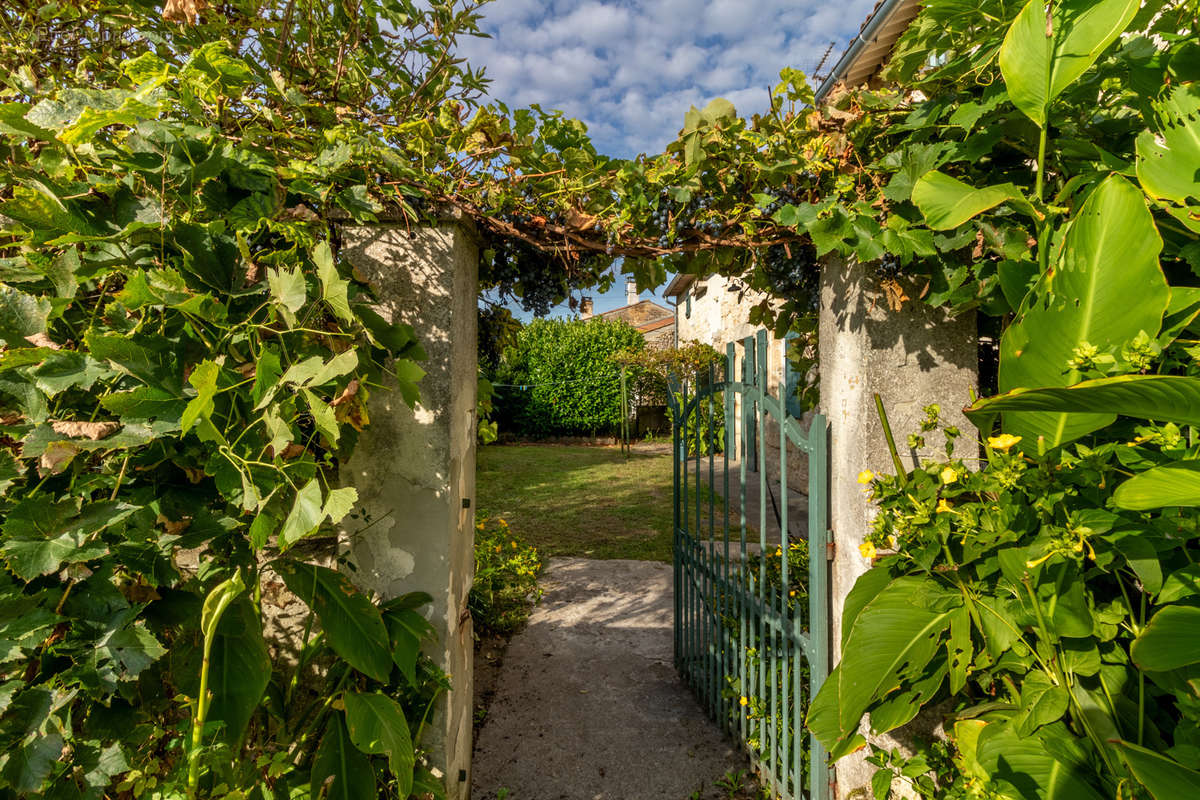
[{"x": 580, "y": 501}]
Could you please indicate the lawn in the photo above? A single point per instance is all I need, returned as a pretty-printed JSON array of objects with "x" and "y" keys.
[{"x": 580, "y": 501}]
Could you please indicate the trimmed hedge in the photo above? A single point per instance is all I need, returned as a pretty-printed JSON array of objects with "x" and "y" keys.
[{"x": 560, "y": 378}]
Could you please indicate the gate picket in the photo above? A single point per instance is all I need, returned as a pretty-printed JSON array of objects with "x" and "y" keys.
[{"x": 739, "y": 636}]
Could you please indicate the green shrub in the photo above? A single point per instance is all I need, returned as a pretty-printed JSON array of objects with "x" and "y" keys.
[
  {"x": 505, "y": 587},
  {"x": 572, "y": 385}
]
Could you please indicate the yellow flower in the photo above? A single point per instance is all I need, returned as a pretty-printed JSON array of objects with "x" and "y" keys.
[
  {"x": 943, "y": 506},
  {"x": 479, "y": 527},
  {"x": 498, "y": 548},
  {"x": 1003, "y": 442},
  {"x": 949, "y": 475},
  {"x": 866, "y": 476},
  {"x": 867, "y": 549},
  {"x": 503, "y": 523},
  {"x": 744, "y": 701},
  {"x": 514, "y": 545}
]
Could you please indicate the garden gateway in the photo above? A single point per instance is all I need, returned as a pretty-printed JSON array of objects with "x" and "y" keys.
[{"x": 242, "y": 251}]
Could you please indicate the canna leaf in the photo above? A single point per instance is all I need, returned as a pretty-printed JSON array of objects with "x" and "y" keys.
[
  {"x": 1040, "y": 59},
  {"x": 377, "y": 726},
  {"x": 1165, "y": 777},
  {"x": 1171, "y": 640},
  {"x": 1175, "y": 484},
  {"x": 1110, "y": 254},
  {"x": 947, "y": 202},
  {"x": 352, "y": 624},
  {"x": 340, "y": 771}
]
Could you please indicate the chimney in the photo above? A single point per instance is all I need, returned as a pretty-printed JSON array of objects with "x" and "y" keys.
[
  {"x": 631, "y": 292},
  {"x": 585, "y": 308}
]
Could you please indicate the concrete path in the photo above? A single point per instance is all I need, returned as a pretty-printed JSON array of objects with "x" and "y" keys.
[{"x": 589, "y": 706}]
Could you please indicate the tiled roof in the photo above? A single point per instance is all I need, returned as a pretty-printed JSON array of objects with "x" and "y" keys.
[{"x": 656, "y": 325}]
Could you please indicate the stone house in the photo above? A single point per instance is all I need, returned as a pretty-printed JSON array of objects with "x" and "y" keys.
[{"x": 655, "y": 322}]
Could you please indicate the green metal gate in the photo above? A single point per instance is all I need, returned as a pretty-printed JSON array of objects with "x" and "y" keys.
[{"x": 752, "y": 614}]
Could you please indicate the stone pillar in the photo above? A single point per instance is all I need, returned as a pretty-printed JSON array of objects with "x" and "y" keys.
[
  {"x": 415, "y": 472},
  {"x": 911, "y": 358}
]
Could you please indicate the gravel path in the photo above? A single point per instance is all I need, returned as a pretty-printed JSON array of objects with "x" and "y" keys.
[{"x": 589, "y": 706}]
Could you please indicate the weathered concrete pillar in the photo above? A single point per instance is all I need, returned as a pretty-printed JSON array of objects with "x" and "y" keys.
[
  {"x": 911, "y": 358},
  {"x": 415, "y": 472}
]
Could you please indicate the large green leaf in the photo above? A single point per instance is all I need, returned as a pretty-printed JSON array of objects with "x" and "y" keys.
[
  {"x": 408, "y": 630},
  {"x": 947, "y": 202},
  {"x": 1170, "y": 641},
  {"x": 21, "y": 315},
  {"x": 1046, "y": 766},
  {"x": 240, "y": 670},
  {"x": 1166, "y": 398},
  {"x": 377, "y": 726},
  {"x": 333, "y": 288},
  {"x": 893, "y": 638},
  {"x": 305, "y": 516},
  {"x": 1167, "y": 159},
  {"x": 1176, "y": 484},
  {"x": 1109, "y": 255},
  {"x": 29, "y": 764},
  {"x": 1165, "y": 777},
  {"x": 1038, "y": 67},
  {"x": 352, "y": 624},
  {"x": 341, "y": 771}
]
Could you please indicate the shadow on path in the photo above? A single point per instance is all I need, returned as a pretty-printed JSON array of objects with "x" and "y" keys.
[{"x": 589, "y": 706}]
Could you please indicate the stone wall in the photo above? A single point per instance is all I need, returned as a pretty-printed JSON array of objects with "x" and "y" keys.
[{"x": 415, "y": 473}]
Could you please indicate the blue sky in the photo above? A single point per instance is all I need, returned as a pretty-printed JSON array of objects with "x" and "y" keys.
[{"x": 630, "y": 69}]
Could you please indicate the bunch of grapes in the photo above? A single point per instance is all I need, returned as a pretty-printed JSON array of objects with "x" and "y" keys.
[
  {"x": 676, "y": 222},
  {"x": 792, "y": 193},
  {"x": 791, "y": 272},
  {"x": 889, "y": 267}
]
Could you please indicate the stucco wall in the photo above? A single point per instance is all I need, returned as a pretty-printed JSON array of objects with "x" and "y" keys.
[
  {"x": 719, "y": 315},
  {"x": 911, "y": 358},
  {"x": 415, "y": 473}
]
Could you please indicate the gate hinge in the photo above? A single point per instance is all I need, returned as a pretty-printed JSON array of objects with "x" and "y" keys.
[{"x": 830, "y": 547}]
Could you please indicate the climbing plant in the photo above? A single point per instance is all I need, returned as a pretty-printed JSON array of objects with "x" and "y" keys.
[{"x": 1035, "y": 596}]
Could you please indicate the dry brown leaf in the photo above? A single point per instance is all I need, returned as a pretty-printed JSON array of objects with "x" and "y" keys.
[
  {"x": 11, "y": 418},
  {"x": 174, "y": 528},
  {"x": 301, "y": 212},
  {"x": 291, "y": 451},
  {"x": 140, "y": 592},
  {"x": 194, "y": 475},
  {"x": 895, "y": 294},
  {"x": 276, "y": 593},
  {"x": 246, "y": 370},
  {"x": 978, "y": 251},
  {"x": 355, "y": 413},
  {"x": 42, "y": 340},
  {"x": 184, "y": 11},
  {"x": 350, "y": 390},
  {"x": 56, "y": 457},
  {"x": 253, "y": 274},
  {"x": 88, "y": 430},
  {"x": 579, "y": 220}
]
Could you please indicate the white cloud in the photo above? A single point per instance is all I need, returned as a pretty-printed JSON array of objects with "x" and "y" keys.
[{"x": 631, "y": 68}]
